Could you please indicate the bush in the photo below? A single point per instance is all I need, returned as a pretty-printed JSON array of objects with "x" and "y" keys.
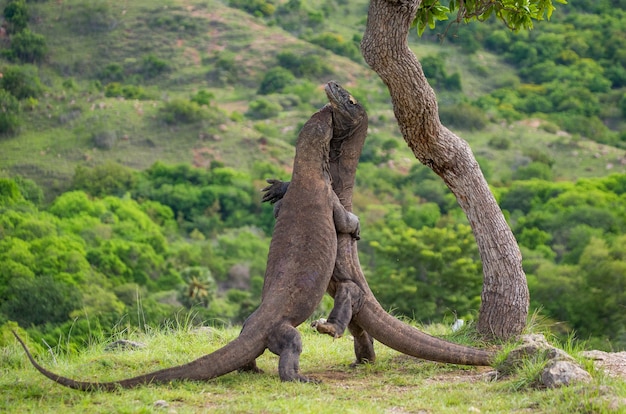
[
  {"x": 203, "y": 98},
  {"x": 256, "y": 7},
  {"x": 40, "y": 300},
  {"x": 304, "y": 66},
  {"x": 113, "y": 72},
  {"x": 21, "y": 81},
  {"x": 9, "y": 113},
  {"x": 590, "y": 127},
  {"x": 104, "y": 139},
  {"x": 116, "y": 89},
  {"x": 178, "y": 23},
  {"x": 536, "y": 154},
  {"x": 28, "y": 47},
  {"x": 534, "y": 170},
  {"x": 435, "y": 71},
  {"x": 337, "y": 44},
  {"x": 9, "y": 192},
  {"x": 463, "y": 116},
  {"x": 500, "y": 143},
  {"x": 106, "y": 179},
  {"x": 91, "y": 17},
  {"x": 16, "y": 16},
  {"x": 180, "y": 111},
  {"x": 152, "y": 66},
  {"x": 29, "y": 190},
  {"x": 226, "y": 69},
  {"x": 263, "y": 109},
  {"x": 275, "y": 80}
]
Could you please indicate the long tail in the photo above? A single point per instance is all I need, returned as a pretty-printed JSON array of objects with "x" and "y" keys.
[
  {"x": 224, "y": 360},
  {"x": 408, "y": 340}
]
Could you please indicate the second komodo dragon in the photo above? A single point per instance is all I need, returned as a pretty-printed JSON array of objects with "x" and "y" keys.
[
  {"x": 299, "y": 267},
  {"x": 355, "y": 305}
]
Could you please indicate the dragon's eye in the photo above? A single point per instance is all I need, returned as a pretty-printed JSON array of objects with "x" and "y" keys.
[{"x": 352, "y": 100}]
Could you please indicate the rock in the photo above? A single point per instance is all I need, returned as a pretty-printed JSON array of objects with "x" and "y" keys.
[
  {"x": 161, "y": 404},
  {"x": 559, "y": 373},
  {"x": 561, "y": 369},
  {"x": 124, "y": 344},
  {"x": 613, "y": 363}
]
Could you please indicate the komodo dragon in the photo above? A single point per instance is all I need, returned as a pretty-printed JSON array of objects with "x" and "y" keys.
[
  {"x": 355, "y": 305},
  {"x": 299, "y": 267}
]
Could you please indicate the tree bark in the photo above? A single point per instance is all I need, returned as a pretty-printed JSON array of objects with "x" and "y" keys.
[{"x": 505, "y": 297}]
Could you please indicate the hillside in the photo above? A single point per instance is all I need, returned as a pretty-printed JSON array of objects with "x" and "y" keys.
[{"x": 208, "y": 46}]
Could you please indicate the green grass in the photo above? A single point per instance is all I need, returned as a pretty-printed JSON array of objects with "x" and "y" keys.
[{"x": 394, "y": 384}]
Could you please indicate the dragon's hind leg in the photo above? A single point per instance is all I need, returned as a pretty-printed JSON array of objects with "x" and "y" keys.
[{"x": 285, "y": 342}]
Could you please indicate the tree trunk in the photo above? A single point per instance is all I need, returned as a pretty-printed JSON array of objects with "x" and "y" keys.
[{"x": 505, "y": 295}]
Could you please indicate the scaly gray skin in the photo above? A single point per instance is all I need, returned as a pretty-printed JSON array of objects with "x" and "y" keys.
[
  {"x": 299, "y": 267},
  {"x": 355, "y": 305}
]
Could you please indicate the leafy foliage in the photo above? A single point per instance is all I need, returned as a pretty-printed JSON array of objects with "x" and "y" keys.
[
  {"x": 257, "y": 7},
  {"x": 21, "y": 81},
  {"x": 275, "y": 80},
  {"x": 437, "y": 264},
  {"x": 510, "y": 12},
  {"x": 337, "y": 44},
  {"x": 9, "y": 113},
  {"x": 28, "y": 47},
  {"x": 16, "y": 16}
]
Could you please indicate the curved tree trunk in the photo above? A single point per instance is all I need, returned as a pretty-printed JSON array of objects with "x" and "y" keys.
[{"x": 505, "y": 295}]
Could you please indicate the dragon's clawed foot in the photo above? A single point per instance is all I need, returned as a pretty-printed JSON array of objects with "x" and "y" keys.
[
  {"x": 274, "y": 191},
  {"x": 326, "y": 328}
]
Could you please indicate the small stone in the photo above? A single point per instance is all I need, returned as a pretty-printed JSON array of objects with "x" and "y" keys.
[
  {"x": 124, "y": 344},
  {"x": 161, "y": 404},
  {"x": 559, "y": 373}
]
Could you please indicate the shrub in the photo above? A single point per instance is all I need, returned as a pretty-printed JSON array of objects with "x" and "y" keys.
[
  {"x": 21, "y": 81},
  {"x": 16, "y": 16},
  {"x": 534, "y": 170},
  {"x": 590, "y": 127},
  {"x": 202, "y": 98},
  {"x": 536, "y": 154},
  {"x": 152, "y": 66},
  {"x": 435, "y": 70},
  {"x": 9, "y": 192},
  {"x": 226, "y": 70},
  {"x": 28, "y": 47},
  {"x": 176, "y": 23},
  {"x": 115, "y": 89},
  {"x": 106, "y": 179},
  {"x": 29, "y": 190},
  {"x": 40, "y": 300},
  {"x": 275, "y": 80},
  {"x": 337, "y": 44},
  {"x": 113, "y": 72},
  {"x": 180, "y": 111},
  {"x": 500, "y": 143},
  {"x": 304, "y": 66},
  {"x": 256, "y": 7},
  {"x": 463, "y": 116},
  {"x": 9, "y": 113},
  {"x": 104, "y": 139},
  {"x": 263, "y": 109},
  {"x": 91, "y": 17}
]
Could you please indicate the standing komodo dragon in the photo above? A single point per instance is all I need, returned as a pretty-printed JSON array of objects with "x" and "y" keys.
[
  {"x": 355, "y": 305},
  {"x": 299, "y": 267}
]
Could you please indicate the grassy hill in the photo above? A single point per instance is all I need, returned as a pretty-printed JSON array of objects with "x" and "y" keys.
[{"x": 173, "y": 49}]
